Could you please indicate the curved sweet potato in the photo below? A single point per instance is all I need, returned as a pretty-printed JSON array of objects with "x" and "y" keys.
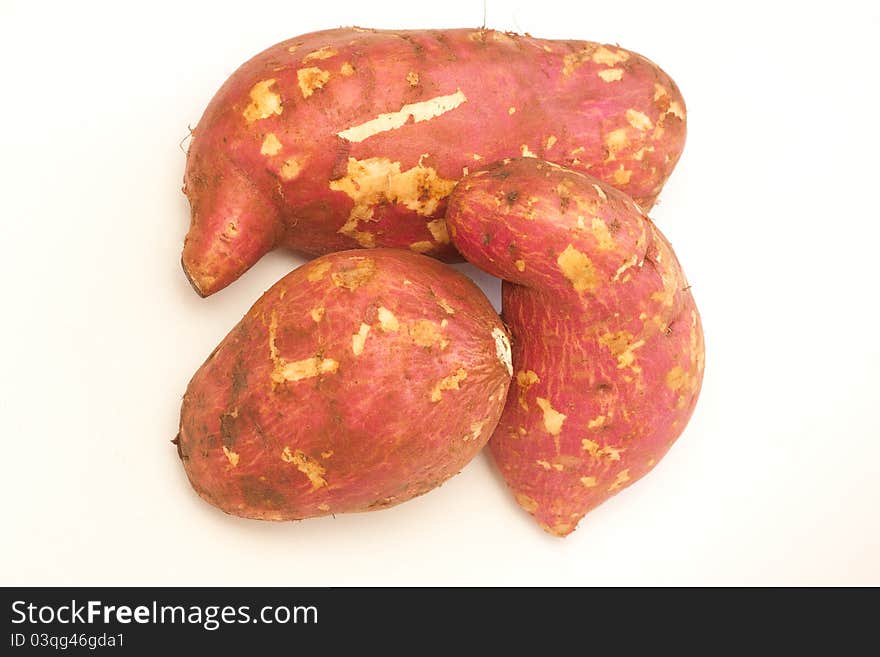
[
  {"x": 354, "y": 138},
  {"x": 607, "y": 341},
  {"x": 358, "y": 381}
]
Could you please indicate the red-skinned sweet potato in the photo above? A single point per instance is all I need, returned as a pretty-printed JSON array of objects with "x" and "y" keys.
[
  {"x": 357, "y": 382},
  {"x": 607, "y": 340},
  {"x": 354, "y": 138}
]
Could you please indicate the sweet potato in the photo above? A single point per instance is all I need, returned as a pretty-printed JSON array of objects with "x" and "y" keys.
[
  {"x": 607, "y": 340},
  {"x": 354, "y": 138},
  {"x": 358, "y": 381}
]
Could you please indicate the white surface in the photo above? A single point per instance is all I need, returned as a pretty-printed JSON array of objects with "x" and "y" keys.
[{"x": 772, "y": 210}]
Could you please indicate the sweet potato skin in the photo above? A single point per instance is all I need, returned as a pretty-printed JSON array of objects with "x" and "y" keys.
[
  {"x": 608, "y": 348},
  {"x": 358, "y": 381},
  {"x": 352, "y": 138}
]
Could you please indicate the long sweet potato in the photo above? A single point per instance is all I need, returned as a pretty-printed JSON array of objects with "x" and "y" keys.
[
  {"x": 608, "y": 345},
  {"x": 354, "y": 138},
  {"x": 358, "y": 381}
]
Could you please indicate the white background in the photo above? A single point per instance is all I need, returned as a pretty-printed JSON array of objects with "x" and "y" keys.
[{"x": 772, "y": 210}]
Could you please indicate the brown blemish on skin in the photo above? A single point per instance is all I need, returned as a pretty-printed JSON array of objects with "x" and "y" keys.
[
  {"x": 310, "y": 79},
  {"x": 359, "y": 339},
  {"x": 611, "y": 74},
  {"x": 525, "y": 379},
  {"x": 450, "y": 382},
  {"x": 231, "y": 456},
  {"x": 264, "y": 102},
  {"x": 526, "y": 502},
  {"x": 271, "y": 145},
  {"x": 354, "y": 273},
  {"x": 578, "y": 269},
  {"x": 309, "y": 467}
]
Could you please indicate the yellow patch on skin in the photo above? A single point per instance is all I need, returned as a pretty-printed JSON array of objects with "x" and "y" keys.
[
  {"x": 572, "y": 61},
  {"x": 622, "y": 346},
  {"x": 520, "y": 265},
  {"x": 264, "y": 102},
  {"x": 324, "y": 507},
  {"x": 629, "y": 262},
  {"x": 326, "y": 455},
  {"x": 639, "y": 120},
  {"x": 608, "y": 57},
  {"x": 424, "y": 110},
  {"x": 322, "y": 53},
  {"x": 511, "y": 111},
  {"x": 378, "y": 180},
  {"x": 526, "y": 502},
  {"x": 477, "y": 157},
  {"x": 439, "y": 231},
  {"x": 676, "y": 109},
  {"x": 551, "y": 140},
  {"x": 553, "y": 419},
  {"x": 290, "y": 169},
  {"x": 421, "y": 247},
  {"x": 271, "y": 145},
  {"x": 579, "y": 149},
  {"x": 543, "y": 464},
  {"x": 525, "y": 379},
  {"x": 622, "y": 176},
  {"x": 317, "y": 314},
  {"x": 676, "y": 378},
  {"x": 444, "y": 304},
  {"x": 588, "y": 482},
  {"x": 387, "y": 321},
  {"x": 578, "y": 269},
  {"x": 359, "y": 339},
  {"x": 659, "y": 91},
  {"x": 607, "y": 453},
  {"x": 596, "y": 422},
  {"x": 413, "y": 78},
  {"x": 346, "y": 69},
  {"x": 351, "y": 279},
  {"x": 620, "y": 480},
  {"x": 310, "y": 79},
  {"x": 524, "y": 149},
  {"x": 616, "y": 140},
  {"x": 309, "y": 467},
  {"x": 450, "y": 382},
  {"x": 231, "y": 456},
  {"x": 304, "y": 369},
  {"x": 317, "y": 271},
  {"x": 603, "y": 236},
  {"x": 426, "y": 333},
  {"x": 502, "y": 349},
  {"x": 600, "y": 192},
  {"x": 611, "y": 74},
  {"x": 476, "y": 430}
]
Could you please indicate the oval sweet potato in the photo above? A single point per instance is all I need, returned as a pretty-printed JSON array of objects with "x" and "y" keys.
[
  {"x": 358, "y": 381},
  {"x": 608, "y": 345},
  {"x": 354, "y": 138}
]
